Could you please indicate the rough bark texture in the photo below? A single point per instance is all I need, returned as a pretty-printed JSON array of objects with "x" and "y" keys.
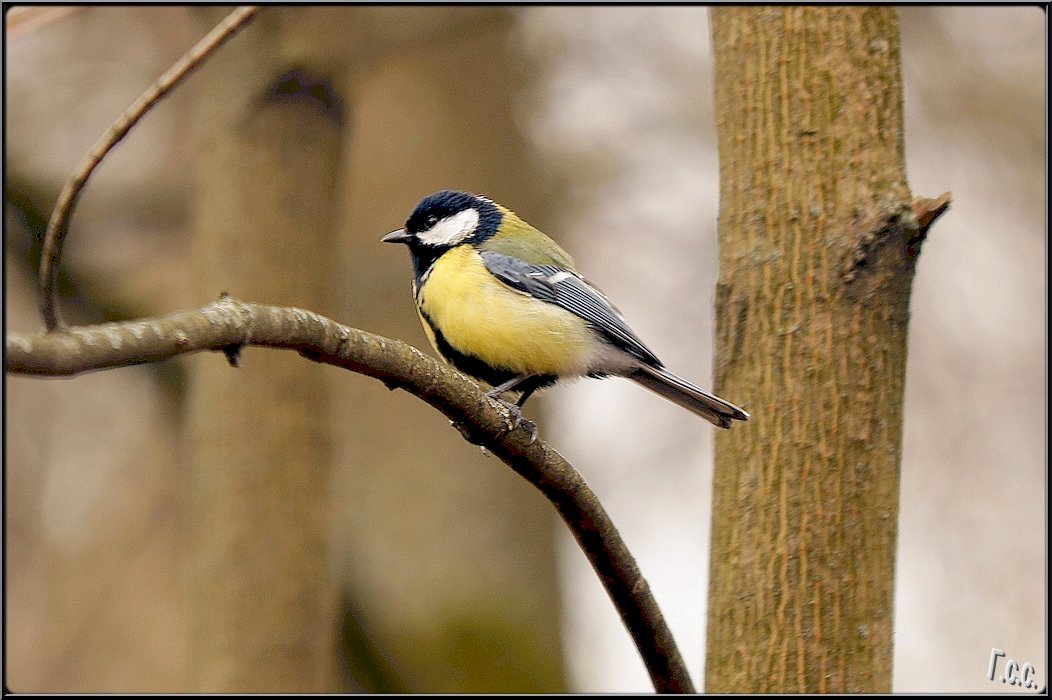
[
  {"x": 817, "y": 251},
  {"x": 268, "y": 140}
]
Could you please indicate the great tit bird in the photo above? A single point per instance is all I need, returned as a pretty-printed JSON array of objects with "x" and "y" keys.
[{"x": 502, "y": 302}]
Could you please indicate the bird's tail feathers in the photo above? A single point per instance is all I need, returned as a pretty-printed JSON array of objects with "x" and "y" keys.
[{"x": 682, "y": 393}]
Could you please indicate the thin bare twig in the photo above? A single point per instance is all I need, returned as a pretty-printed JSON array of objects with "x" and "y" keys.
[
  {"x": 59, "y": 223},
  {"x": 229, "y": 324},
  {"x": 23, "y": 21}
]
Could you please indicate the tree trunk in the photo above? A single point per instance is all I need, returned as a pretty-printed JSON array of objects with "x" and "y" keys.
[
  {"x": 817, "y": 252},
  {"x": 269, "y": 142}
]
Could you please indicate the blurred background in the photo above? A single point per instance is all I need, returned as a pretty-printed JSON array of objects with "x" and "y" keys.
[{"x": 440, "y": 569}]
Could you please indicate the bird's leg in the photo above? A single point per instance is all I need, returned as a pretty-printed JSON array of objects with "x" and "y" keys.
[
  {"x": 513, "y": 384},
  {"x": 527, "y": 384}
]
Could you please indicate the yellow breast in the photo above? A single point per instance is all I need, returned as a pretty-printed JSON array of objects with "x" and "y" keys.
[{"x": 479, "y": 315}]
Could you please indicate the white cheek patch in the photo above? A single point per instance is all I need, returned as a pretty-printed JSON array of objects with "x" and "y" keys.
[{"x": 452, "y": 229}]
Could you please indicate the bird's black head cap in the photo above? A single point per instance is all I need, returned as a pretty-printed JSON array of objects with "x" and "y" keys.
[
  {"x": 445, "y": 220},
  {"x": 445, "y": 204}
]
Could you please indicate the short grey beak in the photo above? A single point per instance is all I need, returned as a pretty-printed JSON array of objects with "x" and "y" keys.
[{"x": 399, "y": 236}]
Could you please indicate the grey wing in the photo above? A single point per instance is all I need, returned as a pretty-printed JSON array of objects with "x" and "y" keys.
[{"x": 570, "y": 291}]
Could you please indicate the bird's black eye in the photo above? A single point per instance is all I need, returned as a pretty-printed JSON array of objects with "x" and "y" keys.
[{"x": 431, "y": 220}]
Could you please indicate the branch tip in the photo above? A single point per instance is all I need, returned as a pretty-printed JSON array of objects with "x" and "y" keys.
[
  {"x": 928, "y": 210},
  {"x": 925, "y": 211},
  {"x": 58, "y": 225}
]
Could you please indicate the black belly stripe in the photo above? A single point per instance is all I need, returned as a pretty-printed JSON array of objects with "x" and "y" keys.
[
  {"x": 468, "y": 364},
  {"x": 471, "y": 365}
]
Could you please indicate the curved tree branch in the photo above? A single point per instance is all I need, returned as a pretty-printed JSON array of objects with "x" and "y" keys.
[
  {"x": 228, "y": 325},
  {"x": 58, "y": 226}
]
